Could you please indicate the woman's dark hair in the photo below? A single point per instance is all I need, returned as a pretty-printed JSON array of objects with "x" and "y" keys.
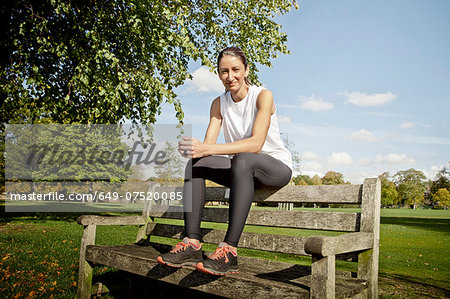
[{"x": 236, "y": 52}]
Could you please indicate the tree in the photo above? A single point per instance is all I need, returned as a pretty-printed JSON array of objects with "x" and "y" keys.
[
  {"x": 389, "y": 194},
  {"x": 442, "y": 198},
  {"x": 333, "y": 178},
  {"x": 302, "y": 180},
  {"x": 173, "y": 170},
  {"x": 316, "y": 180},
  {"x": 410, "y": 186},
  {"x": 290, "y": 145},
  {"x": 137, "y": 173},
  {"x": 75, "y": 155},
  {"x": 442, "y": 181},
  {"x": 62, "y": 152},
  {"x": 106, "y": 61}
]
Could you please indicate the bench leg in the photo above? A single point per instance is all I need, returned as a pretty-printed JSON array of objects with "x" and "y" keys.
[
  {"x": 368, "y": 270},
  {"x": 323, "y": 277},
  {"x": 85, "y": 269}
]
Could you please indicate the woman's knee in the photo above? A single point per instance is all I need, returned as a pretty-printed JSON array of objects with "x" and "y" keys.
[
  {"x": 188, "y": 170},
  {"x": 242, "y": 162}
]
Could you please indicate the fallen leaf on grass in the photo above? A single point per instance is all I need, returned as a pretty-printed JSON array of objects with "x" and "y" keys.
[{"x": 6, "y": 256}]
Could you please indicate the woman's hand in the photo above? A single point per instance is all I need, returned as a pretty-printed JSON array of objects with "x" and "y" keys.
[{"x": 190, "y": 147}]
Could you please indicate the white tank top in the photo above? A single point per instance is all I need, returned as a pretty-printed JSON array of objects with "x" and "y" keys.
[{"x": 238, "y": 119}]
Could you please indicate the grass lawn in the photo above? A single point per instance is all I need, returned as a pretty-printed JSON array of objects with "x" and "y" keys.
[{"x": 39, "y": 253}]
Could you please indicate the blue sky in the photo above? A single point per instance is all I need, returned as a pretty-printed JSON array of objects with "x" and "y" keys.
[{"x": 365, "y": 90}]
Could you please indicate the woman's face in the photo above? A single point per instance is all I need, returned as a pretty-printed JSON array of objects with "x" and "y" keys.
[{"x": 232, "y": 72}]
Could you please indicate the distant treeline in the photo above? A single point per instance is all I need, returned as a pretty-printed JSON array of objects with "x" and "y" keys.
[{"x": 406, "y": 188}]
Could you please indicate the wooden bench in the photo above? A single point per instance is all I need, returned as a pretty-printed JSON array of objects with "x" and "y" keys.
[{"x": 260, "y": 278}]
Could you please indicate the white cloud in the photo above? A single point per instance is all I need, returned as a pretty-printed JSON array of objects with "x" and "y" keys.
[
  {"x": 312, "y": 168},
  {"x": 310, "y": 156},
  {"x": 367, "y": 100},
  {"x": 339, "y": 159},
  {"x": 364, "y": 136},
  {"x": 205, "y": 81},
  {"x": 357, "y": 177},
  {"x": 364, "y": 162},
  {"x": 283, "y": 119},
  {"x": 433, "y": 171},
  {"x": 394, "y": 159},
  {"x": 315, "y": 104},
  {"x": 407, "y": 125}
]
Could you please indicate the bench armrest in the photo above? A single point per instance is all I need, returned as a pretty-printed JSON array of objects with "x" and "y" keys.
[
  {"x": 110, "y": 220},
  {"x": 327, "y": 246}
]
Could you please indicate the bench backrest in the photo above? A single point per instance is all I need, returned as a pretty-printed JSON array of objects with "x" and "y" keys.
[{"x": 366, "y": 195}]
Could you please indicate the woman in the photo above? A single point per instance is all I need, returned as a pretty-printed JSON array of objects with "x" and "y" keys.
[{"x": 256, "y": 156}]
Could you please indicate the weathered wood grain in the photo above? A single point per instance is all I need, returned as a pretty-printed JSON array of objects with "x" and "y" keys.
[
  {"x": 312, "y": 194},
  {"x": 370, "y": 222},
  {"x": 275, "y": 243},
  {"x": 323, "y": 277},
  {"x": 110, "y": 220},
  {"x": 257, "y": 278},
  {"x": 85, "y": 269},
  {"x": 300, "y": 194},
  {"x": 334, "y": 221},
  {"x": 332, "y": 245}
]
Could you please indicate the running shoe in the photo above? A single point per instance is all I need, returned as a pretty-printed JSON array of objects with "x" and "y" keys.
[
  {"x": 185, "y": 253},
  {"x": 223, "y": 261}
]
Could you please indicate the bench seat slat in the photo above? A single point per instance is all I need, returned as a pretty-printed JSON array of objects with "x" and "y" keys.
[
  {"x": 257, "y": 277},
  {"x": 334, "y": 221}
]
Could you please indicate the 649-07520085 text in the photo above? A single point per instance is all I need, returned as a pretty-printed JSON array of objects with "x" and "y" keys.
[{"x": 97, "y": 196}]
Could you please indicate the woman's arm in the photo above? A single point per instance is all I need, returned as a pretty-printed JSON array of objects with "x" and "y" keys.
[
  {"x": 252, "y": 144},
  {"x": 215, "y": 123}
]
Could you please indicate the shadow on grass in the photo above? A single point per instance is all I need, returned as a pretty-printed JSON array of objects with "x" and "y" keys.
[
  {"x": 439, "y": 225},
  {"x": 122, "y": 284},
  {"x": 417, "y": 285}
]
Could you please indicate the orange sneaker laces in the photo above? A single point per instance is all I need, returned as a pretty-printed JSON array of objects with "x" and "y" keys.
[
  {"x": 179, "y": 247},
  {"x": 220, "y": 252}
]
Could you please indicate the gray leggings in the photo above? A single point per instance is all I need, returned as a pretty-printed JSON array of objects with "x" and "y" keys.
[{"x": 242, "y": 174}]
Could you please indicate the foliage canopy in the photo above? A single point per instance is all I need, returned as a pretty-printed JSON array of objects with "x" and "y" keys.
[{"x": 106, "y": 61}]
